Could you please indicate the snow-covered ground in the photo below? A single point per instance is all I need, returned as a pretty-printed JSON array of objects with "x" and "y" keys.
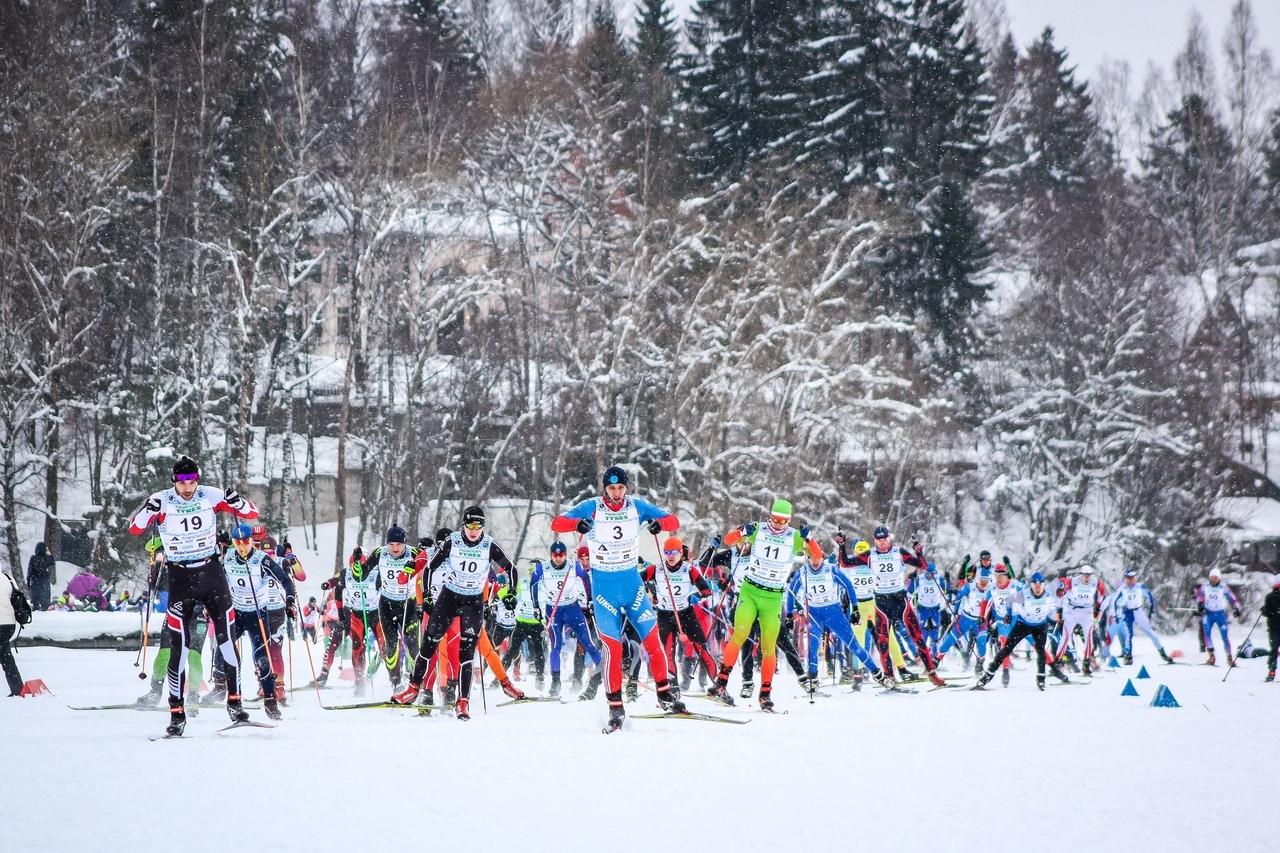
[{"x": 1008, "y": 769}]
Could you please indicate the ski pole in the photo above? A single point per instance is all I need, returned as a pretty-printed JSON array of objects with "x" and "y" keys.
[
  {"x": 808, "y": 633},
  {"x": 315, "y": 682},
  {"x": 1245, "y": 643}
]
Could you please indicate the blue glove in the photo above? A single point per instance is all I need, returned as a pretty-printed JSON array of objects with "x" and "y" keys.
[
  {"x": 748, "y": 529},
  {"x": 804, "y": 531}
]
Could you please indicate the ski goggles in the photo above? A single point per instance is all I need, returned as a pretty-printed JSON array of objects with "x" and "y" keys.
[
  {"x": 474, "y": 525},
  {"x": 185, "y": 478},
  {"x": 668, "y": 552}
]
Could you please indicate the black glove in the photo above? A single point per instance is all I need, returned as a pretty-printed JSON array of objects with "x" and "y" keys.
[
  {"x": 291, "y": 607},
  {"x": 1008, "y": 564},
  {"x": 839, "y": 538},
  {"x": 1199, "y": 608},
  {"x": 917, "y": 547},
  {"x": 584, "y": 526},
  {"x": 1236, "y": 612},
  {"x": 855, "y": 617},
  {"x": 152, "y": 504},
  {"x": 326, "y": 585},
  {"x": 655, "y": 527},
  {"x": 233, "y": 498},
  {"x": 509, "y": 602}
]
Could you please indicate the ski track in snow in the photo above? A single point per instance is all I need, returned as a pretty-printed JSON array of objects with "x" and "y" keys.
[{"x": 1007, "y": 769}]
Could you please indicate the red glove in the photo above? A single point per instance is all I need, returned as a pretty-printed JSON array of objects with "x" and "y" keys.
[{"x": 402, "y": 577}]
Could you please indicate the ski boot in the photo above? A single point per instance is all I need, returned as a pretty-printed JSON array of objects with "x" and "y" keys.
[
  {"x": 554, "y": 692},
  {"x": 1211, "y": 660},
  {"x": 539, "y": 681},
  {"x": 152, "y": 696},
  {"x": 906, "y": 675},
  {"x": 589, "y": 692},
  {"x": 686, "y": 674},
  {"x": 406, "y": 696},
  {"x": 848, "y": 677},
  {"x": 1075, "y": 667},
  {"x": 935, "y": 679},
  {"x": 883, "y": 680},
  {"x": 462, "y": 709},
  {"x": 575, "y": 683},
  {"x": 235, "y": 710},
  {"x": 808, "y": 683},
  {"x": 451, "y": 692},
  {"x": 632, "y": 690},
  {"x": 748, "y": 689},
  {"x": 1056, "y": 672},
  {"x": 1004, "y": 677},
  {"x": 1040, "y": 683},
  {"x": 216, "y": 696},
  {"x": 177, "y": 722},
  {"x": 1165, "y": 656},
  {"x": 272, "y": 707},
  {"x": 617, "y": 714},
  {"x": 1128, "y": 659},
  {"x": 670, "y": 702},
  {"x": 282, "y": 696},
  {"x": 766, "y": 701},
  {"x": 320, "y": 680},
  {"x": 511, "y": 690},
  {"x": 1231, "y": 661},
  {"x": 857, "y": 682},
  {"x": 985, "y": 677},
  {"x": 1271, "y": 676},
  {"x": 1088, "y": 668},
  {"x": 718, "y": 692}
]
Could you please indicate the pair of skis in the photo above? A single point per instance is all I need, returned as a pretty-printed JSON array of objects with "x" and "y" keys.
[{"x": 243, "y": 724}]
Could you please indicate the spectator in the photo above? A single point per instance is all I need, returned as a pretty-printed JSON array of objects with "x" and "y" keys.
[
  {"x": 8, "y": 627},
  {"x": 42, "y": 574},
  {"x": 85, "y": 592}
]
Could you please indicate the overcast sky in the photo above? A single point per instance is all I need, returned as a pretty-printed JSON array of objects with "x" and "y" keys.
[{"x": 1139, "y": 31}]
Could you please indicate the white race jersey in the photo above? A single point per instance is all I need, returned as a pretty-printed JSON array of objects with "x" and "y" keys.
[
  {"x": 245, "y": 579},
  {"x": 1082, "y": 593},
  {"x": 360, "y": 594},
  {"x": 614, "y": 537},
  {"x": 772, "y": 557},
  {"x": 1215, "y": 597},
  {"x": 888, "y": 570},
  {"x": 1001, "y": 598},
  {"x": 468, "y": 564},
  {"x": 971, "y": 601},
  {"x": 819, "y": 587},
  {"x": 863, "y": 579},
  {"x": 271, "y": 594},
  {"x": 1033, "y": 609},
  {"x": 674, "y": 586},
  {"x": 567, "y": 577},
  {"x": 390, "y": 569},
  {"x": 526, "y": 607},
  {"x": 929, "y": 592},
  {"x": 188, "y": 529}
]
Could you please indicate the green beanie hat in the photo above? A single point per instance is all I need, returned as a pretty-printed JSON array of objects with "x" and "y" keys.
[{"x": 781, "y": 507}]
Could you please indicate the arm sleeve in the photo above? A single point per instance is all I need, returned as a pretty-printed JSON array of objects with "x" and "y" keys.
[
  {"x": 844, "y": 583},
  {"x": 1199, "y": 593},
  {"x": 499, "y": 558},
  {"x": 650, "y": 512},
  {"x": 234, "y": 503},
  {"x": 699, "y": 581},
  {"x": 282, "y": 577},
  {"x": 147, "y": 513},
  {"x": 437, "y": 560},
  {"x": 568, "y": 521},
  {"x": 535, "y": 578},
  {"x": 586, "y": 582}
]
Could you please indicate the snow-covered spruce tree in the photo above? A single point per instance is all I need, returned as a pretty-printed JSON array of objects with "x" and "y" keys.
[{"x": 654, "y": 138}]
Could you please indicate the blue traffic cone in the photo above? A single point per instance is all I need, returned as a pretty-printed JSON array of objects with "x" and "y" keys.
[
  {"x": 1142, "y": 673},
  {"x": 1113, "y": 663},
  {"x": 1129, "y": 689},
  {"x": 1164, "y": 699}
]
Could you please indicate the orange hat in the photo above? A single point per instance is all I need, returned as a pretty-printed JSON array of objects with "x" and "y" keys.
[{"x": 673, "y": 543}]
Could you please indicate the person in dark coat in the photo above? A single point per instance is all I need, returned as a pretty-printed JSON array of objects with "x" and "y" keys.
[
  {"x": 41, "y": 576},
  {"x": 1271, "y": 612},
  {"x": 8, "y": 627}
]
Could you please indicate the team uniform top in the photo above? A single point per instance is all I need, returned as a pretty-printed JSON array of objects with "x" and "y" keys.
[
  {"x": 818, "y": 588},
  {"x": 468, "y": 565},
  {"x": 1216, "y": 598},
  {"x": 1080, "y": 593},
  {"x": 1000, "y": 598},
  {"x": 973, "y": 601},
  {"x": 1136, "y": 597},
  {"x": 394, "y": 573},
  {"x": 927, "y": 591},
  {"x": 189, "y": 529},
  {"x": 888, "y": 568},
  {"x": 675, "y": 590},
  {"x": 568, "y": 584},
  {"x": 359, "y": 588},
  {"x": 249, "y": 580},
  {"x": 1031, "y": 608},
  {"x": 527, "y": 603},
  {"x": 861, "y": 576},
  {"x": 772, "y": 557},
  {"x": 614, "y": 537}
]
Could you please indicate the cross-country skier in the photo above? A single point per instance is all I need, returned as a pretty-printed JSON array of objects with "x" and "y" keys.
[
  {"x": 611, "y": 527},
  {"x": 928, "y": 596},
  {"x": 529, "y": 630},
  {"x": 1029, "y": 614},
  {"x": 397, "y": 611},
  {"x": 562, "y": 585},
  {"x": 248, "y": 571},
  {"x": 470, "y": 555},
  {"x": 972, "y": 603},
  {"x": 859, "y": 572},
  {"x": 187, "y": 518},
  {"x": 1081, "y": 606},
  {"x": 816, "y": 589},
  {"x": 1139, "y": 606},
  {"x": 889, "y": 568},
  {"x": 775, "y": 545},
  {"x": 1212, "y": 600},
  {"x": 674, "y": 586},
  {"x": 196, "y": 633}
]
